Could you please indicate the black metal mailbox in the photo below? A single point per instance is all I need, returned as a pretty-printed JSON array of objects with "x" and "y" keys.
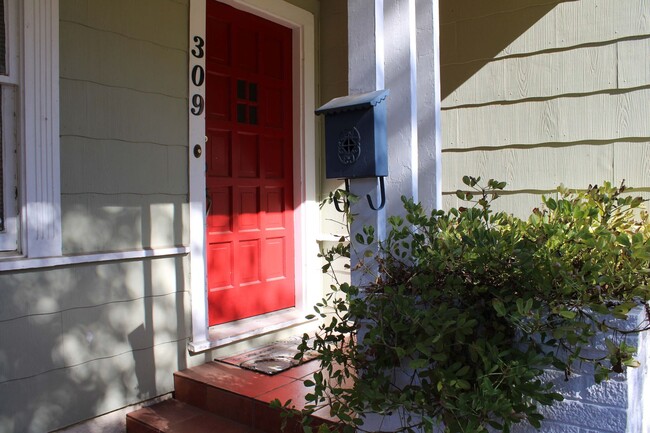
[{"x": 355, "y": 136}]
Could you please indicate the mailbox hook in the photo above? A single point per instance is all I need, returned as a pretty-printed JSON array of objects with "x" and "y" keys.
[
  {"x": 346, "y": 203},
  {"x": 343, "y": 205},
  {"x": 382, "y": 192}
]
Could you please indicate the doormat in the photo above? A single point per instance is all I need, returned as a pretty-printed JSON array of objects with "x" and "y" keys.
[{"x": 271, "y": 359}]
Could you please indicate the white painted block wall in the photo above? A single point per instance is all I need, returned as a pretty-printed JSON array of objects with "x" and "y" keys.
[{"x": 619, "y": 405}]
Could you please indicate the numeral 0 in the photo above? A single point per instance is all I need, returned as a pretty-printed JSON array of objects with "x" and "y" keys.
[{"x": 198, "y": 75}]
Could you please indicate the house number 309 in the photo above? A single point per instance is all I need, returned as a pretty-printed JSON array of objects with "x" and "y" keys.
[{"x": 198, "y": 76}]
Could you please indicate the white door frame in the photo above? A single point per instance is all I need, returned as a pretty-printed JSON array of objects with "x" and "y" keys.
[{"x": 306, "y": 215}]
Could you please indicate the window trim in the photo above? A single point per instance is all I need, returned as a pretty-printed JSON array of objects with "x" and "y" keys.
[
  {"x": 40, "y": 184},
  {"x": 9, "y": 147},
  {"x": 9, "y": 98}
]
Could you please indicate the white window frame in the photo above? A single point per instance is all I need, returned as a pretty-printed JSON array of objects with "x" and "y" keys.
[
  {"x": 36, "y": 24},
  {"x": 33, "y": 60},
  {"x": 10, "y": 88}
]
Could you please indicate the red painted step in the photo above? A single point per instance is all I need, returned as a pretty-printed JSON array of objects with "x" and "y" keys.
[
  {"x": 173, "y": 416},
  {"x": 217, "y": 397}
]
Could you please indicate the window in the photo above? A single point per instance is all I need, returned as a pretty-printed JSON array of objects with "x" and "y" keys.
[
  {"x": 9, "y": 88},
  {"x": 30, "y": 223}
]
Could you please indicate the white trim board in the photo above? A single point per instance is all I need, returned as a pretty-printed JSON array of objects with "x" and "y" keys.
[
  {"x": 306, "y": 215},
  {"x": 196, "y": 169},
  {"x": 41, "y": 216},
  {"x": 113, "y": 256}
]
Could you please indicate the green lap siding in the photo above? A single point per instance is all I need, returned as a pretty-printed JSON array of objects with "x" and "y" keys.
[
  {"x": 81, "y": 341},
  {"x": 123, "y": 124},
  {"x": 539, "y": 93},
  {"x": 84, "y": 340}
]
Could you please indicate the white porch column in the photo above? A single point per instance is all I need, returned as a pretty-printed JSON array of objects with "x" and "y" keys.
[
  {"x": 400, "y": 59},
  {"x": 393, "y": 44},
  {"x": 384, "y": 40},
  {"x": 366, "y": 74},
  {"x": 412, "y": 70},
  {"x": 428, "y": 106}
]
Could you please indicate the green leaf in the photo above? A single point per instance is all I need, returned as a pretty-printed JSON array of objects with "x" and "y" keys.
[
  {"x": 323, "y": 428},
  {"x": 568, "y": 314},
  {"x": 418, "y": 363},
  {"x": 611, "y": 346},
  {"x": 498, "y": 306},
  {"x": 551, "y": 204},
  {"x": 520, "y": 306},
  {"x": 529, "y": 305},
  {"x": 633, "y": 363},
  {"x": 423, "y": 348},
  {"x": 440, "y": 357}
]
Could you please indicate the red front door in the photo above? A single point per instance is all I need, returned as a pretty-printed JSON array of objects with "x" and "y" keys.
[{"x": 249, "y": 172}]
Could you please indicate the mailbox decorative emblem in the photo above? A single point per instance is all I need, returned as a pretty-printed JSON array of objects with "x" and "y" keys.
[{"x": 349, "y": 146}]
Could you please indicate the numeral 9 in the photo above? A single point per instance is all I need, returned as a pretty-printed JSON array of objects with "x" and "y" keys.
[{"x": 198, "y": 105}]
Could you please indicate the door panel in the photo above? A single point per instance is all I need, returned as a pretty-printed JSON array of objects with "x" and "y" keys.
[{"x": 249, "y": 168}]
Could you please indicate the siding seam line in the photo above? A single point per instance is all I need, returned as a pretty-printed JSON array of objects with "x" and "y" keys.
[
  {"x": 548, "y": 144},
  {"x": 123, "y": 140},
  {"x": 508, "y": 192},
  {"x": 103, "y": 304},
  {"x": 115, "y": 194},
  {"x": 514, "y": 192},
  {"x": 496, "y": 58},
  {"x": 102, "y": 30},
  {"x": 101, "y": 358},
  {"x": 132, "y": 89},
  {"x": 506, "y": 102}
]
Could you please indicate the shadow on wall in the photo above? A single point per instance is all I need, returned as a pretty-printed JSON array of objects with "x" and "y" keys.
[
  {"x": 474, "y": 32},
  {"x": 80, "y": 341}
]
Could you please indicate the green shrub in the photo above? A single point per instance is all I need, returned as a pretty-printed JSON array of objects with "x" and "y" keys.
[{"x": 470, "y": 305}]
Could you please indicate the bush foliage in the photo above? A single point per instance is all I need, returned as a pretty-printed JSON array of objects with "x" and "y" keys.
[{"x": 470, "y": 305}]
